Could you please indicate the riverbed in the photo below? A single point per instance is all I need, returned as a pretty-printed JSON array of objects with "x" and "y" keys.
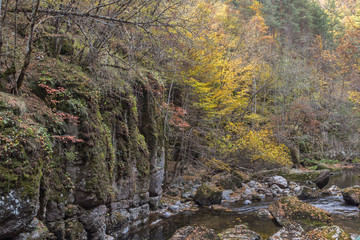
[{"x": 345, "y": 216}]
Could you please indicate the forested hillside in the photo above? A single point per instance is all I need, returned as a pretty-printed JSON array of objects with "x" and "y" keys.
[{"x": 104, "y": 103}]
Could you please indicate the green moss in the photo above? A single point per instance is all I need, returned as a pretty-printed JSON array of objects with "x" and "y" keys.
[
  {"x": 291, "y": 209},
  {"x": 301, "y": 176}
]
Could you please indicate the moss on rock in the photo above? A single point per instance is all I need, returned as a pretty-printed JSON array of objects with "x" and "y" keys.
[
  {"x": 292, "y": 210},
  {"x": 207, "y": 195},
  {"x": 323, "y": 233}
]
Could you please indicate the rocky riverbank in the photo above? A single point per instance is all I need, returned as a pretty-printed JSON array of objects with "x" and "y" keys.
[{"x": 299, "y": 220}]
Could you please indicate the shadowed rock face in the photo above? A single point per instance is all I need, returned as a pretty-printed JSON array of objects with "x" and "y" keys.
[
  {"x": 322, "y": 180},
  {"x": 351, "y": 195}
]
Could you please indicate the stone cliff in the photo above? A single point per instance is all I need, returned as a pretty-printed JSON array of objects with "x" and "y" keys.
[{"x": 81, "y": 161}]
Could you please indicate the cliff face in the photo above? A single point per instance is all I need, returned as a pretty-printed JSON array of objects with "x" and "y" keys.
[{"x": 79, "y": 159}]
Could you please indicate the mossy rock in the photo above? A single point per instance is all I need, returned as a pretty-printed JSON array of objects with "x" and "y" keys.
[
  {"x": 301, "y": 176},
  {"x": 195, "y": 232},
  {"x": 239, "y": 232},
  {"x": 323, "y": 233},
  {"x": 351, "y": 195},
  {"x": 292, "y": 210},
  {"x": 74, "y": 230},
  {"x": 264, "y": 174},
  {"x": 207, "y": 195}
]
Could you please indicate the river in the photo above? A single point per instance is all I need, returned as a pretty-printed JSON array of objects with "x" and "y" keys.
[{"x": 345, "y": 216}]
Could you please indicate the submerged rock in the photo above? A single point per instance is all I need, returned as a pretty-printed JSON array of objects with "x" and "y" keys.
[
  {"x": 195, "y": 232},
  {"x": 351, "y": 195},
  {"x": 208, "y": 195},
  {"x": 333, "y": 232},
  {"x": 292, "y": 210},
  {"x": 292, "y": 231},
  {"x": 239, "y": 232}
]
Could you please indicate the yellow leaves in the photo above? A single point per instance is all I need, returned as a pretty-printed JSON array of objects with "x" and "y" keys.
[
  {"x": 259, "y": 144},
  {"x": 355, "y": 98}
]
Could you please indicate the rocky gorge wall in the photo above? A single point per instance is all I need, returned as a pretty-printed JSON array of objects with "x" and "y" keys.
[{"x": 79, "y": 163}]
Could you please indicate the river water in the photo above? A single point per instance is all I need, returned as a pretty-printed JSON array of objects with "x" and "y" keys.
[{"x": 345, "y": 216}]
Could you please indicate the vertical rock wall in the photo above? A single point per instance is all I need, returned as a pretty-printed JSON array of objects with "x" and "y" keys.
[{"x": 103, "y": 186}]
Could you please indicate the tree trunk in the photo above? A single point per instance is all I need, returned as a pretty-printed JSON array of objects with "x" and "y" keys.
[{"x": 27, "y": 58}]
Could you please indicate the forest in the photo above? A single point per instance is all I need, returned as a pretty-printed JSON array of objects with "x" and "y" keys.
[{"x": 112, "y": 111}]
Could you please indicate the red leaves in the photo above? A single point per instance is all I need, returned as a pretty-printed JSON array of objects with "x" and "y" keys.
[{"x": 177, "y": 116}]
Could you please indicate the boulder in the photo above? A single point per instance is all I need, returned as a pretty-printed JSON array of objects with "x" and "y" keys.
[
  {"x": 195, "y": 232},
  {"x": 226, "y": 194},
  {"x": 207, "y": 195},
  {"x": 278, "y": 180},
  {"x": 308, "y": 193},
  {"x": 328, "y": 232},
  {"x": 292, "y": 210},
  {"x": 291, "y": 231},
  {"x": 322, "y": 180},
  {"x": 263, "y": 213},
  {"x": 351, "y": 195},
  {"x": 239, "y": 232}
]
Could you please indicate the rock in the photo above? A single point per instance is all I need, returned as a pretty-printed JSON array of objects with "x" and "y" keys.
[
  {"x": 333, "y": 232},
  {"x": 297, "y": 190},
  {"x": 54, "y": 211},
  {"x": 174, "y": 208},
  {"x": 226, "y": 194},
  {"x": 248, "y": 191},
  {"x": 74, "y": 230},
  {"x": 247, "y": 202},
  {"x": 292, "y": 210},
  {"x": 275, "y": 188},
  {"x": 259, "y": 197},
  {"x": 278, "y": 180},
  {"x": 308, "y": 193},
  {"x": 263, "y": 213},
  {"x": 334, "y": 189},
  {"x": 154, "y": 202},
  {"x": 16, "y": 213},
  {"x": 57, "y": 229},
  {"x": 239, "y": 232},
  {"x": 188, "y": 195},
  {"x": 36, "y": 230},
  {"x": 157, "y": 164},
  {"x": 94, "y": 222},
  {"x": 207, "y": 195},
  {"x": 195, "y": 232},
  {"x": 178, "y": 182},
  {"x": 292, "y": 231},
  {"x": 252, "y": 183},
  {"x": 166, "y": 214},
  {"x": 351, "y": 195},
  {"x": 322, "y": 180},
  {"x": 156, "y": 222},
  {"x": 300, "y": 176}
]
